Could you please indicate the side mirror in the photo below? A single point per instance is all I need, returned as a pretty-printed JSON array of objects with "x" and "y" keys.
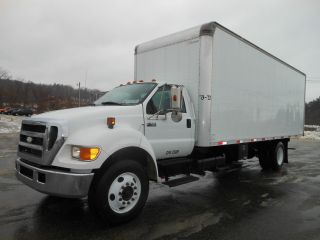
[
  {"x": 176, "y": 96},
  {"x": 176, "y": 101}
]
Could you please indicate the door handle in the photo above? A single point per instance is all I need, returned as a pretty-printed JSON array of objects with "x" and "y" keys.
[
  {"x": 188, "y": 123},
  {"x": 151, "y": 124}
]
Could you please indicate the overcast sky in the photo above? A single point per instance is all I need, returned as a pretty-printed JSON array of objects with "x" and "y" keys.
[{"x": 58, "y": 41}]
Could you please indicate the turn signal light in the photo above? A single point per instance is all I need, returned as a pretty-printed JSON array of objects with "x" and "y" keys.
[
  {"x": 111, "y": 121},
  {"x": 85, "y": 153},
  {"x": 89, "y": 153}
]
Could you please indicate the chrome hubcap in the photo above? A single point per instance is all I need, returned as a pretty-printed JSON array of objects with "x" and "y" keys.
[
  {"x": 280, "y": 156},
  {"x": 124, "y": 192}
]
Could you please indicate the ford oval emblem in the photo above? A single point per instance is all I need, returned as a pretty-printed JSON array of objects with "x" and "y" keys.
[{"x": 29, "y": 139}]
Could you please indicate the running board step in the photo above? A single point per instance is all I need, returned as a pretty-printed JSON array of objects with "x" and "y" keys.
[
  {"x": 232, "y": 166},
  {"x": 173, "y": 162},
  {"x": 180, "y": 181}
]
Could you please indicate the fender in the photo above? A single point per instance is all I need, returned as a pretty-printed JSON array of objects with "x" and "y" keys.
[
  {"x": 152, "y": 163},
  {"x": 143, "y": 153},
  {"x": 110, "y": 141}
]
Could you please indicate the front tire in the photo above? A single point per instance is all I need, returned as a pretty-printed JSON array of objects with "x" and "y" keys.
[{"x": 119, "y": 193}]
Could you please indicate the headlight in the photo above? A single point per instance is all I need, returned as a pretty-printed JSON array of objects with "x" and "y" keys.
[{"x": 85, "y": 153}]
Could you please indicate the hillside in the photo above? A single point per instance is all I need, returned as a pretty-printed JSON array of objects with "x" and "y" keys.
[
  {"x": 43, "y": 97},
  {"x": 313, "y": 112}
]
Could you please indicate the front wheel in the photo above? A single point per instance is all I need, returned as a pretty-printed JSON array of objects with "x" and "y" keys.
[{"x": 120, "y": 192}]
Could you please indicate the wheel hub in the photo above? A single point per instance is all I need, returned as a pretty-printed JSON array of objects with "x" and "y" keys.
[
  {"x": 127, "y": 193},
  {"x": 124, "y": 192},
  {"x": 280, "y": 156}
]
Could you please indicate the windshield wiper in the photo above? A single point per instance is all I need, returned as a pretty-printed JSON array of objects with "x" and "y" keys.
[{"x": 111, "y": 103}]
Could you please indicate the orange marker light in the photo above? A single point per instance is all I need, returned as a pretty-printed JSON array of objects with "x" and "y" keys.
[
  {"x": 111, "y": 121},
  {"x": 89, "y": 153},
  {"x": 174, "y": 98}
]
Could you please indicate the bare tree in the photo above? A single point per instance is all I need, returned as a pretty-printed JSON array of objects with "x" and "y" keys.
[{"x": 4, "y": 74}]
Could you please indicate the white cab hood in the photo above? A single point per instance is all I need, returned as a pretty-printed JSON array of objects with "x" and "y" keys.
[{"x": 85, "y": 117}]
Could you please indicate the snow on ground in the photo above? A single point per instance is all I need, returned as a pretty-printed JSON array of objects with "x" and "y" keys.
[
  {"x": 312, "y": 128},
  {"x": 311, "y": 135},
  {"x": 311, "y": 132},
  {"x": 10, "y": 124}
]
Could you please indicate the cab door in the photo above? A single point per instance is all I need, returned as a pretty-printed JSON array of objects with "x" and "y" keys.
[{"x": 170, "y": 137}]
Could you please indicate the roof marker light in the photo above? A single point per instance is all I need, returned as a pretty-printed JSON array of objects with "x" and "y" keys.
[{"x": 174, "y": 98}]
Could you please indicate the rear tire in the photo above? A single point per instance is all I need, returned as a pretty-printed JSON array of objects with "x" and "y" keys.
[
  {"x": 278, "y": 155},
  {"x": 272, "y": 156},
  {"x": 264, "y": 159},
  {"x": 119, "y": 193}
]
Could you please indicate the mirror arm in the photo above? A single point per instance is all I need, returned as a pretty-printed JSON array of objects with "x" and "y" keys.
[{"x": 158, "y": 113}]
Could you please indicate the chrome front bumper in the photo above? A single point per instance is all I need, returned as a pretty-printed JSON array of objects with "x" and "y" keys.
[{"x": 54, "y": 182}]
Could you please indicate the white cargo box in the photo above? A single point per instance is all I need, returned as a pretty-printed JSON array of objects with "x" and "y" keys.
[{"x": 240, "y": 92}]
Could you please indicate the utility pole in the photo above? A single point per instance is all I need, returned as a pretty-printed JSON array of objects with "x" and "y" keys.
[
  {"x": 85, "y": 87},
  {"x": 79, "y": 96}
]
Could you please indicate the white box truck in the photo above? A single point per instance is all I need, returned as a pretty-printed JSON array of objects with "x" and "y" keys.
[{"x": 201, "y": 99}]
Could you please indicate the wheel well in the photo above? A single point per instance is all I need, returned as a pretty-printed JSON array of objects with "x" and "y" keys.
[{"x": 136, "y": 154}]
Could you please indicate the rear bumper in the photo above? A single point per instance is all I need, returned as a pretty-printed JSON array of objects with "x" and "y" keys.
[{"x": 54, "y": 182}]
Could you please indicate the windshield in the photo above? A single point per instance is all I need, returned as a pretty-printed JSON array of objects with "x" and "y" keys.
[{"x": 130, "y": 94}]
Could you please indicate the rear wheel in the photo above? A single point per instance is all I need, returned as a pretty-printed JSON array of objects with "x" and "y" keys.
[
  {"x": 272, "y": 156},
  {"x": 277, "y": 157},
  {"x": 264, "y": 159},
  {"x": 119, "y": 193}
]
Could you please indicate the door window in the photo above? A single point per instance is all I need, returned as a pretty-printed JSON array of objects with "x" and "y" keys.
[{"x": 161, "y": 101}]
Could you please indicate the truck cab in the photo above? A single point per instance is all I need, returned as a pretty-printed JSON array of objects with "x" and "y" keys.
[{"x": 66, "y": 153}]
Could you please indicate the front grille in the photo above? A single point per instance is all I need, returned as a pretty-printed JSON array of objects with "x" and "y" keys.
[
  {"x": 53, "y": 134},
  {"x": 30, "y": 150},
  {"x": 38, "y": 142},
  {"x": 33, "y": 128},
  {"x": 35, "y": 140}
]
